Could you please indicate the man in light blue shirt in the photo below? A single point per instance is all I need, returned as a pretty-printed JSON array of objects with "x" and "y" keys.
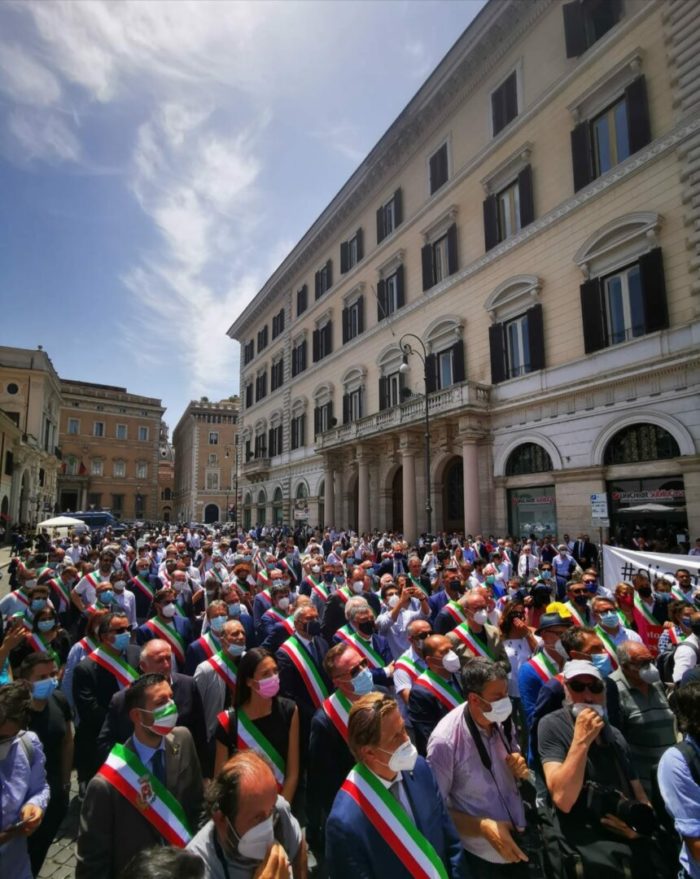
[{"x": 398, "y": 611}]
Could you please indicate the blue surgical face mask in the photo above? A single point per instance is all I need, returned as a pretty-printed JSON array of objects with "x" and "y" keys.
[
  {"x": 546, "y": 575},
  {"x": 121, "y": 641},
  {"x": 602, "y": 662},
  {"x": 38, "y": 604},
  {"x": 43, "y": 689},
  {"x": 46, "y": 625},
  {"x": 217, "y": 623},
  {"x": 234, "y": 609},
  {"x": 236, "y": 649},
  {"x": 362, "y": 683},
  {"x": 106, "y": 597},
  {"x": 610, "y": 619}
]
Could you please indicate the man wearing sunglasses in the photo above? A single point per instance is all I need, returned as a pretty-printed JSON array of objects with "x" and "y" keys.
[
  {"x": 578, "y": 603},
  {"x": 582, "y": 755}
]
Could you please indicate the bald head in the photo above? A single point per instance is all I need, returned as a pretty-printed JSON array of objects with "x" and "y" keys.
[{"x": 156, "y": 657}]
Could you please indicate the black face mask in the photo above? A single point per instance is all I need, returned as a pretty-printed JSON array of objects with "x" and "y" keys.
[
  {"x": 367, "y": 627},
  {"x": 645, "y": 591},
  {"x": 313, "y": 628},
  {"x": 328, "y": 577}
]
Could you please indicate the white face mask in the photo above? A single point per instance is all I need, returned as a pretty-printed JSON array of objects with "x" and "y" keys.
[
  {"x": 649, "y": 674},
  {"x": 450, "y": 662},
  {"x": 560, "y": 649},
  {"x": 255, "y": 842},
  {"x": 393, "y": 601},
  {"x": 119, "y": 586},
  {"x": 403, "y": 759},
  {"x": 481, "y": 617},
  {"x": 283, "y": 603},
  {"x": 579, "y": 706},
  {"x": 357, "y": 586},
  {"x": 315, "y": 569},
  {"x": 168, "y": 611},
  {"x": 500, "y": 711}
]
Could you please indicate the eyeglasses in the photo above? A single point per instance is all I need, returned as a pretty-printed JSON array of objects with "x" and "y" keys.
[
  {"x": 594, "y": 687},
  {"x": 421, "y": 636},
  {"x": 120, "y": 630},
  {"x": 578, "y": 591},
  {"x": 354, "y": 672}
]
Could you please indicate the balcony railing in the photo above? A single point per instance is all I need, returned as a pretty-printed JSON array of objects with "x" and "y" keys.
[
  {"x": 255, "y": 467},
  {"x": 443, "y": 402}
]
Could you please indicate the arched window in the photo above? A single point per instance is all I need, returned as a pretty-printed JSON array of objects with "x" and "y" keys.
[
  {"x": 641, "y": 442},
  {"x": 528, "y": 458}
]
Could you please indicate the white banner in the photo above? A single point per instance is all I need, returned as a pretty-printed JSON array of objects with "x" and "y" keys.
[{"x": 622, "y": 564}]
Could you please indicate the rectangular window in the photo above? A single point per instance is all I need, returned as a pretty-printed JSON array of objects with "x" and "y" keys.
[
  {"x": 212, "y": 481},
  {"x": 440, "y": 261},
  {"x": 624, "y": 305},
  {"x": 323, "y": 341},
  {"x": 439, "y": 171},
  {"x": 610, "y": 138},
  {"x": 277, "y": 375},
  {"x": 508, "y": 211},
  {"x": 518, "y": 346},
  {"x": 73, "y": 426},
  {"x": 261, "y": 386},
  {"x": 444, "y": 372},
  {"x": 213, "y": 438},
  {"x": 249, "y": 395},
  {"x": 248, "y": 352},
  {"x": 142, "y": 471},
  {"x": 504, "y": 103},
  {"x": 355, "y": 404},
  {"x": 121, "y": 432},
  {"x": 324, "y": 279},
  {"x": 323, "y": 416},
  {"x": 586, "y": 21},
  {"x": 98, "y": 428},
  {"x": 439, "y": 258},
  {"x": 299, "y": 358},
  {"x": 260, "y": 447},
  {"x": 119, "y": 469},
  {"x": 351, "y": 252},
  {"x": 392, "y": 294},
  {"x": 143, "y": 434},
  {"x": 95, "y": 500},
  {"x": 278, "y": 324},
  {"x": 96, "y": 468},
  {"x": 212, "y": 460},
  {"x": 389, "y": 216},
  {"x": 302, "y": 300},
  {"x": 117, "y": 504},
  {"x": 298, "y": 437},
  {"x": 262, "y": 338},
  {"x": 275, "y": 441},
  {"x": 353, "y": 319}
]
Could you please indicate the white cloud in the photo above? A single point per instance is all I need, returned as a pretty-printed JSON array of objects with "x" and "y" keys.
[
  {"x": 43, "y": 136},
  {"x": 26, "y": 80}
]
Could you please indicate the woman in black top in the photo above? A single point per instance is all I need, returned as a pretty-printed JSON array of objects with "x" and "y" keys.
[
  {"x": 261, "y": 720},
  {"x": 46, "y": 636}
]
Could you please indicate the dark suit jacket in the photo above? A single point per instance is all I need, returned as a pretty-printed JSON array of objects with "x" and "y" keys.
[
  {"x": 117, "y": 726},
  {"x": 425, "y": 711},
  {"x": 330, "y": 761},
  {"x": 260, "y": 605},
  {"x": 93, "y": 688},
  {"x": 356, "y": 849},
  {"x": 112, "y": 831},
  {"x": 182, "y": 626},
  {"x": 334, "y": 613},
  {"x": 444, "y": 622},
  {"x": 293, "y": 687},
  {"x": 437, "y": 601},
  {"x": 586, "y": 556},
  {"x": 381, "y": 646}
]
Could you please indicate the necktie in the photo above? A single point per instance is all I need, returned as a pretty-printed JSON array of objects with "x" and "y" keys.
[
  {"x": 527, "y": 565},
  {"x": 398, "y": 792},
  {"x": 157, "y": 766}
]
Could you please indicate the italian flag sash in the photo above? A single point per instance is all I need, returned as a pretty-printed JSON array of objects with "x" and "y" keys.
[
  {"x": 208, "y": 645},
  {"x": 543, "y": 666},
  {"x": 575, "y": 615},
  {"x": 345, "y": 592},
  {"x": 123, "y": 672},
  {"x": 318, "y": 589},
  {"x": 441, "y": 689},
  {"x": 249, "y": 737},
  {"x": 21, "y": 597},
  {"x": 466, "y": 636},
  {"x": 88, "y": 645},
  {"x": 396, "y": 828},
  {"x": 169, "y": 634},
  {"x": 418, "y": 584},
  {"x": 264, "y": 578},
  {"x": 266, "y": 595},
  {"x": 373, "y": 658},
  {"x": 37, "y": 643},
  {"x": 243, "y": 585},
  {"x": 307, "y": 669},
  {"x": 642, "y": 609},
  {"x": 94, "y": 579},
  {"x": 280, "y": 618},
  {"x": 144, "y": 587},
  {"x": 609, "y": 645},
  {"x": 61, "y": 590},
  {"x": 676, "y": 637},
  {"x": 412, "y": 669},
  {"x": 224, "y": 666},
  {"x": 127, "y": 774},
  {"x": 456, "y": 612},
  {"x": 337, "y": 707},
  {"x": 681, "y": 595}
]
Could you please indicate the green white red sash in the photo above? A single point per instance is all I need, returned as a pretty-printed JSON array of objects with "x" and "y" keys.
[
  {"x": 266, "y": 595},
  {"x": 575, "y": 615},
  {"x": 208, "y": 644},
  {"x": 170, "y": 634},
  {"x": 21, "y": 597},
  {"x": 642, "y": 609},
  {"x": 281, "y": 619},
  {"x": 345, "y": 592},
  {"x": 396, "y": 828},
  {"x": 609, "y": 645},
  {"x": 144, "y": 587},
  {"x": 374, "y": 659},
  {"x": 318, "y": 589},
  {"x": 36, "y": 642},
  {"x": 61, "y": 590},
  {"x": 412, "y": 669},
  {"x": 456, "y": 612},
  {"x": 681, "y": 595},
  {"x": 418, "y": 584},
  {"x": 94, "y": 579},
  {"x": 264, "y": 578},
  {"x": 249, "y": 737},
  {"x": 121, "y": 670},
  {"x": 127, "y": 774},
  {"x": 466, "y": 636},
  {"x": 88, "y": 644},
  {"x": 337, "y": 707},
  {"x": 545, "y": 668},
  {"x": 307, "y": 669},
  {"x": 441, "y": 689},
  {"x": 224, "y": 666},
  {"x": 675, "y": 636}
]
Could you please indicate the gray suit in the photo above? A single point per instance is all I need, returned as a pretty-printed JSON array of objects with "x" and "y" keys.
[{"x": 112, "y": 830}]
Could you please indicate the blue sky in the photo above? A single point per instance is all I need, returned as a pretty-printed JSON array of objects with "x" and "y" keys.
[{"x": 159, "y": 159}]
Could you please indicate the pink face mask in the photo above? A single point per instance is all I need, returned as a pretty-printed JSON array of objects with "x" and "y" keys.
[{"x": 269, "y": 687}]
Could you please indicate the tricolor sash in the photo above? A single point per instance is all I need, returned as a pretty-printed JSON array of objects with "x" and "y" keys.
[
  {"x": 121, "y": 670},
  {"x": 208, "y": 645},
  {"x": 466, "y": 636},
  {"x": 544, "y": 667},
  {"x": 575, "y": 615},
  {"x": 94, "y": 579},
  {"x": 417, "y": 583},
  {"x": 170, "y": 634},
  {"x": 88, "y": 645},
  {"x": 264, "y": 578},
  {"x": 248, "y": 736},
  {"x": 337, "y": 707},
  {"x": 281, "y": 619},
  {"x": 224, "y": 666},
  {"x": 395, "y": 827},
  {"x": 21, "y": 597},
  {"x": 681, "y": 595},
  {"x": 644, "y": 611},
  {"x": 374, "y": 659},
  {"x": 649, "y": 628},
  {"x": 441, "y": 689},
  {"x": 307, "y": 669},
  {"x": 144, "y": 587},
  {"x": 676, "y": 636},
  {"x": 36, "y": 642},
  {"x": 609, "y": 645},
  {"x": 345, "y": 592},
  {"x": 456, "y": 612},
  {"x": 318, "y": 589},
  {"x": 412, "y": 669},
  {"x": 266, "y": 595},
  {"x": 61, "y": 590},
  {"x": 125, "y": 772}
]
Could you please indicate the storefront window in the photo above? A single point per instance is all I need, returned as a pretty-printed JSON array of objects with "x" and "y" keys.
[
  {"x": 653, "y": 508},
  {"x": 532, "y": 510}
]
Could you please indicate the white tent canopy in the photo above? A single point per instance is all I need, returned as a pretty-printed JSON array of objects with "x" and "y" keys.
[{"x": 60, "y": 522}]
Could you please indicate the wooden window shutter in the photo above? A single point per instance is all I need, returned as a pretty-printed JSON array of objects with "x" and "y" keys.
[
  {"x": 398, "y": 208},
  {"x": 651, "y": 269},
  {"x": 317, "y": 421},
  {"x": 427, "y": 261},
  {"x": 434, "y": 171},
  {"x": 452, "y": 253},
  {"x": 527, "y": 205},
  {"x": 345, "y": 325},
  {"x": 360, "y": 244},
  {"x": 498, "y": 354},
  {"x": 535, "y": 331},
  {"x": 593, "y": 316},
  {"x": 490, "y": 222},
  {"x": 574, "y": 30},
  {"x": 271, "y": 441},
  {"x": 380, "y": 225},
  {"x": 381, "y": 300},
  {"x": 581, "y": 157},
  {"x": 315, "y": 344},
  {"x": 431, "y": 373},
  {"x": 295, "y": 359},
  {"x": 343, "y": 257},
  {"x": 361, "y": 315},
  {"x": 329, "y": 274},
  {"x": 458, "y": 370},
  {"x": 511, "y": 97},
  {"x": 346, "y": 408},
  {"x": 317, "y": 282},
  {"x": 328, "y": 330},
  {"x": 303, "y": 355},
  {"x": 400, "y": 296},
  {"x": 383, "y": 393},
  {"x": 637, "y": 103}
]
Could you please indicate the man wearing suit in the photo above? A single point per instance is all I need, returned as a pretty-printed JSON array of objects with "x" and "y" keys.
[
  {"x": 585, "y": 552},
  {"x": 447, "y": 619},
  {"x": 274, "y": 615},
  {"x": 113, "y": 828},
  {"x": 156, "y": 659},
  {"x": 168, "y": 625},
  {"x": 94, "y": 684},
  {"x": 334, "y": 611},
  {"x": 208, "y": 644},
  {"x": 360, "y": 631},
  {"x": 435, "y": 692},
  {"x": 391, "y": 771},
  {"x": 216, "y": 688},
  {"x": 474, "y": 637}
]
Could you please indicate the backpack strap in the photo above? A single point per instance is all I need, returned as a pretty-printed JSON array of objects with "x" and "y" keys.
[{"x": 692, "y": 758}]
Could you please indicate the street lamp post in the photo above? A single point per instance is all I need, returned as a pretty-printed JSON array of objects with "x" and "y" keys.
[
  {"x": 407, "y": 349},
  {"x": 235, "y": 499}
]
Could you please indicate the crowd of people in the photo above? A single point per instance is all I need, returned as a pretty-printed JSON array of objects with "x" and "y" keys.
[{"x": 460, "y": 707}]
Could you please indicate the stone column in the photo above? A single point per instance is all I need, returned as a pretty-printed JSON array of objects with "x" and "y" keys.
[
  {"x": 408, "y": 462},
  {"x": 329, "y": 494},
  {"x": 363, "y": 518},
  {"x": 472, "y": 499}
]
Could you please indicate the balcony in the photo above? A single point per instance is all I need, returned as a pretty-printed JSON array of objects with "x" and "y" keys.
[
  {"x": 452, "y": 400},
  {"x": 256, "y": 468}
]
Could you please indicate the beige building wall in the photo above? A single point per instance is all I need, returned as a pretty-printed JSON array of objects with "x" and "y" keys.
[
  {"x": 110, "y": 441},
  {"x": 369, "y": 472}
]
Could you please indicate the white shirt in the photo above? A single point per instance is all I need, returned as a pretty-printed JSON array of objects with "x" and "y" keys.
[{"x": 685, "y": 657}]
